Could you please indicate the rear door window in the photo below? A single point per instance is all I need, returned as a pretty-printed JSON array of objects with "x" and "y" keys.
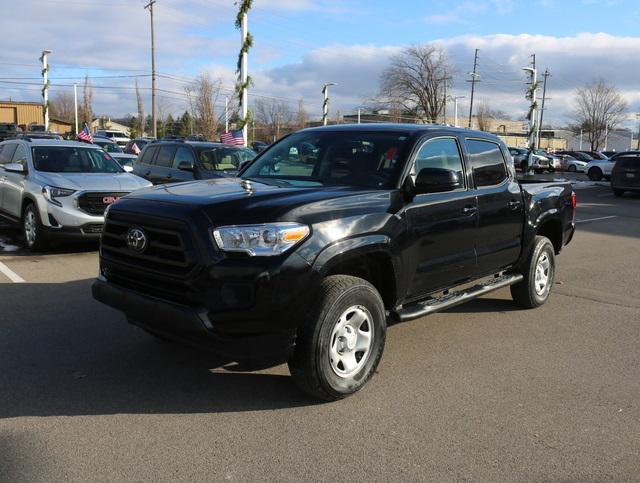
[
  {"x": 165, "y": 156},
  {"x": 487, "y": 163},
  {"x": 183, "y": 154},
  {"x": 148, "y": 156}
]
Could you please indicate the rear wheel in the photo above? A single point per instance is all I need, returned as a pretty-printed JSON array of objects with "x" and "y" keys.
[
  {"x": 572, "y": 168},
  {"x": 595, "y": 174},
  {"x": 340, "y": 344},
  {"x": 32, "y": 230},
  {"x": 618, "y": 192},
  {"x": 539, "y": 273}
]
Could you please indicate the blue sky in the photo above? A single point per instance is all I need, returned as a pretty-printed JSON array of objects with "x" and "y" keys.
[{"x": 302, "y": 43}]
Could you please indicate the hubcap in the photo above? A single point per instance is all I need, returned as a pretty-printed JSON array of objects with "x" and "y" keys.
[
  {"x": 543, "y": 274},
  {"x": 30, "y": 227},
  {"x": 351, "y": 341}
]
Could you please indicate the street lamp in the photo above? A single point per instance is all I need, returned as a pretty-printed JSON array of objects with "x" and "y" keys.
[
  {"x": 45, "y": 88},
  {"x": 455, "y": 108},
  {"x": 532, "y": 120},
  {"x": 325, "y": 103}
]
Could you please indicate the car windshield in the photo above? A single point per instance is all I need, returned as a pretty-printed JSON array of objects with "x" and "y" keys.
[
  {"x": 218, "y": 158},
  {"x": 110, "y": 147},
  {"x": 72, "y": 159},
  {"x": 354, "y": 158}
]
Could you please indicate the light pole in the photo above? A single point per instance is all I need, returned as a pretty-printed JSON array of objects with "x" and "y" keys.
[
  {"x": 45, "y": 88},
  {"x": 153, "y": 71},
  {"x": 455, "y": 108},
  {"x": 244, "y": 76},
  {"x": 325, "y": 103},
  {"x": 226, "y": 114},
  {"x": 532, "y": 128},
  {"x": 75, "y": 104}
]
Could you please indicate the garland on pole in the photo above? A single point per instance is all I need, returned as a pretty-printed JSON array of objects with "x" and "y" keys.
[
  {"x": 534, "y": 105},
  {"x": 245, "y": 6}
]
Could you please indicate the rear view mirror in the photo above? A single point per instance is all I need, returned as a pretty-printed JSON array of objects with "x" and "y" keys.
[
  {"x": 185, "y": 166},
  {"x": 15, "y": 168},
  {"x": 437, "y": 180}
]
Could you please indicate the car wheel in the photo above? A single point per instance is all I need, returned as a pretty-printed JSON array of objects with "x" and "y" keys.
[
  {"x": 32, "y": 228},
  {"x": 572, "y": 168},
  {"x": 340, "y": 343},
  {"x": 595, "y": 174},
  {"x": 539, "y": 273},
  {"x": 618, "y": 193}
]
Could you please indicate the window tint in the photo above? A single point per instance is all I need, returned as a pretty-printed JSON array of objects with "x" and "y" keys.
[
  {"x": 165, "y": 156},
  {"x": 439, "y": 153},
  {"x": 487, "y": 162},
  {"x": 67, "y": 159},
  {"x": 628, "y": 162},
  {"x": 20, "y": 156},
  {"x": 7, "y": 153},
  {"x": 147, "y": 158},
  {"x": 183, "y": 154}
]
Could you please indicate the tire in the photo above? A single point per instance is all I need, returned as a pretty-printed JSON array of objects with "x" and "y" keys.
[
  {"x": 595, "y": 174},
  {"x": 326, "y": 362},
  {"x": 618, "y": 193},
  {"x": 32, "y": 230},
  {"x": 539, "y": 273},
  {"x": 572, "y": 168}
]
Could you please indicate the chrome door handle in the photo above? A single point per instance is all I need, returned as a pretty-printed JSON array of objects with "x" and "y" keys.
[
  {"x": 514, "y": 204},
  {"x": 469, "y": 210}
]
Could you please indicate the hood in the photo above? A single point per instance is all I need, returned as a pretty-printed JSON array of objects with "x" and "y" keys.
[
  {"x": 94, "y": 181},
  {"x": 235, "y": 201}
]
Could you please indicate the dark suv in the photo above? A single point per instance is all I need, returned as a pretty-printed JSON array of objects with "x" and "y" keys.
[
  {"x": 176, "y": 161},
  {"x": 625, "y": 175}
]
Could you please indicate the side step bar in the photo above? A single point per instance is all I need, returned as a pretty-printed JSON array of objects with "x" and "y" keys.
[{"x": 451, "y": 299}]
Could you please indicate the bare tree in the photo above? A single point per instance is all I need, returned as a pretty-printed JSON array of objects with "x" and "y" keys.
[
  {"x": 140, "y": 106},
  {"x": 416, "y": 80},
  {"x": 301, "y": 115},
  {"x": 484, "y": 116},
  {"x": 205, "y": 98},
  {"x": 62, "y": 107},
  {"x": 273, "y": 114},
  {"x": 86, "y": 111},
  {"x": 599, "y": 106}
]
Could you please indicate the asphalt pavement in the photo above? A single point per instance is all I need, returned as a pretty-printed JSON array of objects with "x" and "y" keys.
[{"x": 484, "y": 391}]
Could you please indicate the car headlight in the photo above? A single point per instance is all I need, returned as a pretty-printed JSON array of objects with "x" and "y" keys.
[
  {"x": 51, "y": 193},
  {"x": 268, "y": 239}
]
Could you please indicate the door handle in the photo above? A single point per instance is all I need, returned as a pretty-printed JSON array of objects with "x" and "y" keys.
[
  {"x": 469, "y": 210},
  {"x": 514, "y": 204},
  {"x": 147, "y": 173}
]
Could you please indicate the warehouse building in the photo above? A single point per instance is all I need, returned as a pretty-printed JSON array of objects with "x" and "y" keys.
[{"x": 25, "y": 114}]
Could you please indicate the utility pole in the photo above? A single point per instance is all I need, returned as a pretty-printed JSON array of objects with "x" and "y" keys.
[
  {"x": 45, "y": 88},
  {"x": 226, "y": 114},
  {"x": 325, "y": 102},
  {"x": 153, "y": 71},
  {"x": 244, "y": 75},
  {"x": 358, "y": 115},
  {"x": 580, "y": 139},
  {"x": 75, "y": 103},
  {"x": 532, "y": 96},
  {"x": 544, "y": 96},
  {"x": 606, "y": 136},
  {"x": 638, "y": 118},
  {"x": 455, "y": 108},
  {"x": 473, "y": 81}
]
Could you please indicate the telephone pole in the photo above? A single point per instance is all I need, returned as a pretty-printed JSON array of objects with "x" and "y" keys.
[
  {"x": 153, "y": 72},
  {"x": 473, "y": 80},
  {"x": 244, "y": 76},
  {"x": 544, "y": 97},
  {"x": 446, "y": 80}
]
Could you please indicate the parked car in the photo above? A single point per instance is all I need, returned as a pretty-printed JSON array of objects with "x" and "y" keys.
[
  {"x": 615, "y": 156},
  {"x": 126, "y": 160},
  {"x": 625, "y": 175},
  {"x": 39, "y": 135},
  {"x": 175, "y": 161},
  {"x": 596, "y": 155},
  {"x": 598, "y": 169},
  {"x": 309, "y": 258},
  {"x": 139, "y": 142},
  {"x": 118, "y": 136},
  {"x": 608, "y": 154},
  {"x": 579, "y": 155},
  {"x": 555, "y": 163},
  {"x": 59, "y": 188},
  {"x": 8, "y": 130},
  {"x": 573, "y": 165},
  {"x": 521, "y": 156}
]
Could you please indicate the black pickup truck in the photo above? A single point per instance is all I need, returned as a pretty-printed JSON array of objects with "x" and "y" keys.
[{"x": 325, "y": 238}]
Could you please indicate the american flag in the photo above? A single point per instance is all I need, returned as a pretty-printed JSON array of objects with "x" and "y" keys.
[
  {"x": 85, "y": 134},
  {"x": 135, "y": 149},
  {"x": 235, "y": 138}
]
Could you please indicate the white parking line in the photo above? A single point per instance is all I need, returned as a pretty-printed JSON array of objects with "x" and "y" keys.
[
  {"x": 596, "y": 219},
  {"x": 13, "y": 276}
]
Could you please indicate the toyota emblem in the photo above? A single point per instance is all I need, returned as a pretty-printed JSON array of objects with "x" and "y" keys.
[{"x": 136, "y": 239}]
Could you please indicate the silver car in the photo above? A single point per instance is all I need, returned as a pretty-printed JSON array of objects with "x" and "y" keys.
[{"x": 59, "y": 188}]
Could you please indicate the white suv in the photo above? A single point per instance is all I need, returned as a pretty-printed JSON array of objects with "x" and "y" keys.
[
  {"x": 59, "y": 188},
  {"x": 118, "y": 136}
]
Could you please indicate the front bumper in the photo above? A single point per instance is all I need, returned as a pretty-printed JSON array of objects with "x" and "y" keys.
[{"x": 190, "y": 325}]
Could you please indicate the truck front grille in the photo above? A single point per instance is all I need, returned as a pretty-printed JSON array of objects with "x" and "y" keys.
[{"x": 96, "y": 203}]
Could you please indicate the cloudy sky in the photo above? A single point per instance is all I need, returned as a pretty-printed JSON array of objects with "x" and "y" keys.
[{"x": 299, "y": 44}]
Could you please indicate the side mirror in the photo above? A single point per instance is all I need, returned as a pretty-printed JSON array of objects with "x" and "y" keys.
[
  {"x": 185, "y": 166},
  {"x": 127, "y": 168},
  {"x": 437, "y": 180},
  {"x": 15, "y": 168}
]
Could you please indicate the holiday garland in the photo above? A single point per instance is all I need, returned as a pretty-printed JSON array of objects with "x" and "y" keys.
[{"x": 245, "y": 6}]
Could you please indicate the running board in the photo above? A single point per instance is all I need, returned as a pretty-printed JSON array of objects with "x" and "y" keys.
[{"x": 451, "y": 299}]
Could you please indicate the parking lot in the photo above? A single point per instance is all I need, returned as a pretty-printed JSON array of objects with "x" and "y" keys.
[{"x": 481, "y": 392}]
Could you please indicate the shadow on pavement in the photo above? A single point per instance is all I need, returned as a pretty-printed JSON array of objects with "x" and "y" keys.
[{"x": 62, "y": 353}]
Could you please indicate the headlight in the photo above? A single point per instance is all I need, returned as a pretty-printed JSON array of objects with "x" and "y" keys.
[
  {"x": 260, "y": 240},
  {"x": 51, "y": 193}
]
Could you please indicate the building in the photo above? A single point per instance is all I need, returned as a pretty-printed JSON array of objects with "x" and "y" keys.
[
  {"x": 21, "y": 113},
  {"x": 106, "y": 123}
]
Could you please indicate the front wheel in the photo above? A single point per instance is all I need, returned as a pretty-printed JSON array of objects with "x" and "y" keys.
[
  {"x": 618, "y": 193},
  {"x": 32, "y": 228},
  {"x": 595, "y": 174},
  {"x": 539, "y": 273},
  {"x": 340, "y": 343},
  {"x": 572, "y": 168}
]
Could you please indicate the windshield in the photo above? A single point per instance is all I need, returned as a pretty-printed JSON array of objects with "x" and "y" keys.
[
  {"x": 247, "y": 154},
  {"x": 219, "y": 159},
  {"x": 71, "y": 159},
  {"x": 354, "y": 158}
]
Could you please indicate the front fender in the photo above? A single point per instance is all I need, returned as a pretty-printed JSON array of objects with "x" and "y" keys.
[{"x": 350, "y": 248}]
